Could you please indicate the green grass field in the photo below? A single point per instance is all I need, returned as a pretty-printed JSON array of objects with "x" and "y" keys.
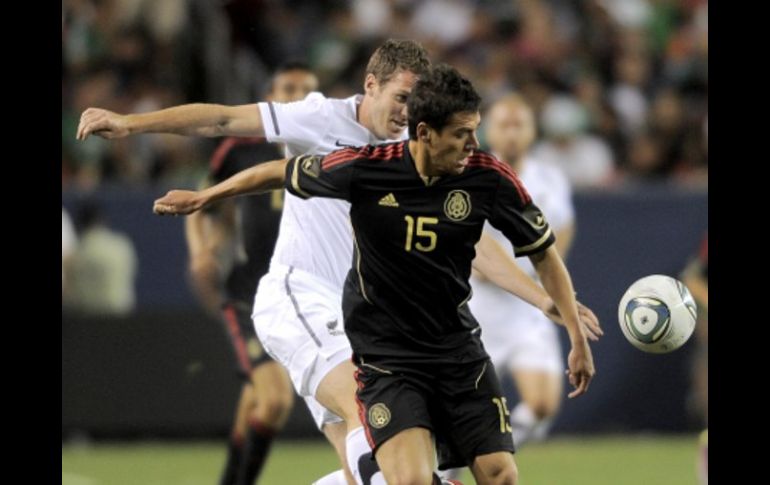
[{"x": 643, "y": 460}]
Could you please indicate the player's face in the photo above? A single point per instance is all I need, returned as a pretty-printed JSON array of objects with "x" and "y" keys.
[
  {"x": 449, "y": 148},
  {"x": 388, "y": 106},
  {"x": 510, "y": 130},
  {"x": 293, "y": 86}
]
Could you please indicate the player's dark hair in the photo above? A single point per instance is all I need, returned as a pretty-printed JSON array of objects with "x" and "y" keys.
[
  {"x": 437, "y": 96},
  {"x": 398, "y": 55}
]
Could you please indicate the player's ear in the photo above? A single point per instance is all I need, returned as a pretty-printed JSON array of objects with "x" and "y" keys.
[
  {"x": 423, "y": 132},
  {"x": 370, "y": 84}
]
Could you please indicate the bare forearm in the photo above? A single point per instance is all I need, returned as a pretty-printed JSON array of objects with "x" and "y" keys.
[
  {"x": 494, "y": 264},
  {"x": 257, "y": 179},
  {"x": 198, "y": 119},
  {"x": 556, "y": 281}
]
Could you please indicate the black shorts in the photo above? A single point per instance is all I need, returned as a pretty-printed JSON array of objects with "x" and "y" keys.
[
  {"x": 247, "y": 349},
  {"x": 463, "y": 405}
]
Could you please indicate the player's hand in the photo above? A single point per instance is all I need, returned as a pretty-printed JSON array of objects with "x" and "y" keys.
[
  {"x": 96, "y": 121},
  {"x": 588, "y": 319},
  {"x": 178, "y": 202},
  {"x": 581, "y": 368}
]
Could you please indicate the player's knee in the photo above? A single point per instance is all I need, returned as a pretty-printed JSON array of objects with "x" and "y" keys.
[
  {"x": 544, "y": 409},
  {"x": 410, "y": 476},
  {"x": 274, "y": 409},
  {"x": 503, "y": 473}
]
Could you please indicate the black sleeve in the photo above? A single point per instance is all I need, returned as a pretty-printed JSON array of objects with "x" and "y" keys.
[
  {"x": 315, "y": 176},
  {"x": 522, "y": 222}
]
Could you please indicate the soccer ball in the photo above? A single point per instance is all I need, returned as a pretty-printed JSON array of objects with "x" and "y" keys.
[{"x": 657, "y": 314}]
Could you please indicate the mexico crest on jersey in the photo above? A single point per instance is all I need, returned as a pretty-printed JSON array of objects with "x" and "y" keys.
[
  {"x": 457, "y": 205},
  {"x": 379, "y": 416}
]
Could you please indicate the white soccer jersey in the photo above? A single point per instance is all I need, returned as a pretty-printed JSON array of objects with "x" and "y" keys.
[
  {"x": 315, "y": 235},
  {"x": 505, "y": 319}
]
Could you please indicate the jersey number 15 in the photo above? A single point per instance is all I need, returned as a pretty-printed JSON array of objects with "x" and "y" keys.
[{"x": 420, "y": 232}]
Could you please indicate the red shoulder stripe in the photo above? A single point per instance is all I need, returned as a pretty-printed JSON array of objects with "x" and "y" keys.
[
  {"x": 339, "y": 156},
  {"x": 488, "y": 161}
]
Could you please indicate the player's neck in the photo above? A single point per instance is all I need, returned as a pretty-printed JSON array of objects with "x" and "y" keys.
[
  {"x": 363, "y": 115},
  {"x": 421, "y": 159}
]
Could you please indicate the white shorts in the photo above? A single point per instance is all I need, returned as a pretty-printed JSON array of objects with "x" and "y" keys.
[
  {"x": 298, "y": 319},
  {"x": 516, "y": 335}
]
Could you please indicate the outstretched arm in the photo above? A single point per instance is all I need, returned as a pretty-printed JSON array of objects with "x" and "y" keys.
[
  {"x": 496, "y": 265},
  {"x": 259, "y": 178},
  {"x": 557, "y": 283},
  {"x": 188, "y": 119}
]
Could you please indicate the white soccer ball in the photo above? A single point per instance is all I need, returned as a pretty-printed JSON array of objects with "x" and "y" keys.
[{"x": 657, "y": 314}]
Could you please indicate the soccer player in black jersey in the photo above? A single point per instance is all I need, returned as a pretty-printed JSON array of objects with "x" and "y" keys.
[
  {"x": 418, "y": 209},
  {"x": 230, "y": 245}
]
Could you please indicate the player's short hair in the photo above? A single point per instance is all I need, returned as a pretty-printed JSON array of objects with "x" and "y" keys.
[
  {"x": 437, "y": 96},
  {"x": 398, "y": 55},
  {"x": 286, "y": 67}
]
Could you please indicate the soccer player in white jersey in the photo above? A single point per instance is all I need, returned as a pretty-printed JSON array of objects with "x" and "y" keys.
[
  {"x": 297, "y": 310},
  {"x": 520, "y": 339}
]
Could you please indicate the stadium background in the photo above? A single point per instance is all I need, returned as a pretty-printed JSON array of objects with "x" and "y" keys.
[{"x": 626, "y": 78}]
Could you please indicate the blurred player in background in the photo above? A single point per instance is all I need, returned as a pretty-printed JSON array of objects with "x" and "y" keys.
[
  {"x": 696, "y": 278},
  {"x": 230, "y": 246},
  {"x": 519, "y": 339}
]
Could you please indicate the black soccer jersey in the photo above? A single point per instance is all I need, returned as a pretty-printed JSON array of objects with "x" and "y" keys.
[
  {"x": 260, "y": 215},
  {"x": 407, "y": 292}
]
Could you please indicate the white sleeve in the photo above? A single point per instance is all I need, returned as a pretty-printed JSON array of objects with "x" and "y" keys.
[{"x": 301, "y": 125}]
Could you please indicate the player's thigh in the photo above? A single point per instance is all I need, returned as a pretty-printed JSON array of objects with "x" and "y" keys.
[
  {"x": 497, "y": 468},
  {"x": 298, "y": 319},
  {"x": 471, "y": 415},
  {"x": 271, "y": 385},
  {"x": 407, "y": 457},
  {"x": 540, "y": 390},
  {"x": 391, "y": 402},
  {"x": 337, "y": 391},
  {"x": 321, "y": 415},
  {"x": 246, "y": 402}
]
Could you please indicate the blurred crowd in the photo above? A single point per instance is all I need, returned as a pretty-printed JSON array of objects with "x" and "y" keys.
[{"x": 620, "y": 86}]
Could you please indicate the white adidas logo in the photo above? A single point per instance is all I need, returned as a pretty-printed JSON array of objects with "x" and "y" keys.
[{"x": 389, "y": 200}]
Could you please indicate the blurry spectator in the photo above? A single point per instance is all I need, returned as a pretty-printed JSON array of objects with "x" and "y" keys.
[
  {"x": 632, "y": 64},
  {"x": 585, "y": 159},
  {"x": 668, "y": 127},
  {"x": 627, "y": 95},
  {"x": 644, "y": 158},
  {"x": 602, "y": 119},
  {"x": 103, "y": 268},
  {"x": 446, "y": 22}
]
